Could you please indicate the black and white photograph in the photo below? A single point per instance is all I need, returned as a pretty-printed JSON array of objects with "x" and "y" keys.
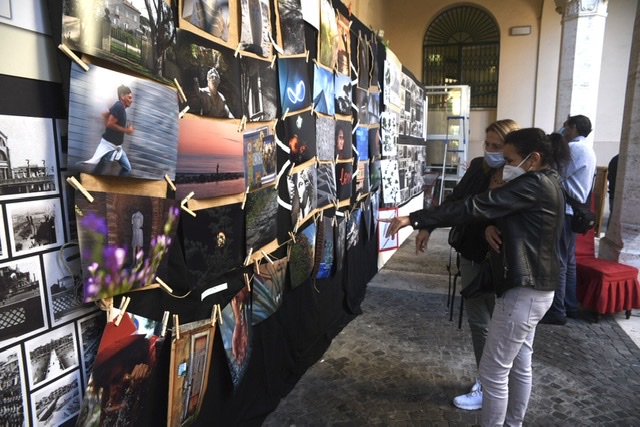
[
  {"x": 90, "y": 331},
  {"x": 51, "y": 355},
  {"x": 63, "y": 277},
  {"x": 364, "y": 62},
  {"x": 362, "y": 104},
  {"x": 303, "y": 194},
  {"x": 62, "y": 140},
  {"x": 34, "y": 226},
  {"x": 326, "y": 185},
  {"x": 343, "y": 64},
  {"x": 57, "y": 402},
  {"x": 291, "y": 32},
  {"x": 120, "y": 125},
  {"x": 4, "y": 253},
  {"x": 28, "y": 153},
  {"x": 259, "y": 85},
  {"x": 255, "y": 29},
  {"x": 373, "y": 108},
  {"x": 392, "y": 76},
  {"x": 261, "y": 210},
  {"x": 343, "y": 89},
  {"x": 389, "y": 132},
  {"x": 374, "y": 142},
  {"x": 22, "y": 307},
  {"x": 13, "y": 394},
  {"x": 325, "y": 141},
  {"x": 211, "y": 16},
  {"x": 137, "y": 34}
]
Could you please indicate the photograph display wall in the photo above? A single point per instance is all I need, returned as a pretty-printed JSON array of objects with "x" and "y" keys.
[{"x": 211, "y": 138}]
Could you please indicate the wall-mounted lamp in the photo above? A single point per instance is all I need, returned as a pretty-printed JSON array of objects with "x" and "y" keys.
[{"x": 523, "y": 30}]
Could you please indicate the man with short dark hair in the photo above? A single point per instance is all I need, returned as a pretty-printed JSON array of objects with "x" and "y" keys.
[{"x": 577, "y": 183}]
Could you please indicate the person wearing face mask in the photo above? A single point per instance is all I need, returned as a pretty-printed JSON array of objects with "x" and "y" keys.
[
  {"x": 482, "y": 174},
  {"x": 529, "y": 212}
]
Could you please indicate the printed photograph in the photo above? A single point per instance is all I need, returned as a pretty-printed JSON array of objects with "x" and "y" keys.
[
  {"x": 362, "y": 105},
  {"x": 22, "y": 308},
  {"x": 213, "y": 242},
  {"x": 267, "y": 287},
  {"x": 63, "y": 277},
  {"x": 343, "y": 90},
  {"x": 259, "y": 157},
  {"x": 62, "y": 141},
  {"x": 344, "y": 176},
  {"x": 258, "y": 82},
  {"x": 210, "y": 159},
  {"x": 136, "y": 34},
  {"x": 343, "y": 65},
  {"x": 302, "y": 255},
  {"x": 51, "y": 355},
  {"x": 362, "y": 179},
  {"x": 344, "y": 149},
  {"x": 366, "y": 216},
  {"x": 291, "y": 32},
  {"x": 325, "y": 140},
  {"x": 210, "y": 77},
  {"x": 34, "y": 226},
  {"x": 255, "y": 29},
  {"x": 121, "y": 125},
  {"x": 4, "y": 252},
  {"x": 295, "y": 84},
  {"x": 390, "y": 181},
  {"x": 13, "y": 393},
  {"x": 362, "y": 142},
  {"x": 375, "y": 72},
  {"x": 374, "y": 142},
  {"x": 328, "y": 35},
  {"x": 211, "y": 16},
  {"x": 389, "y": 133},
  {"x": 90, "y": 333},
  {"x": 353, "y": 228},
  {"x": 189, "y": 372},
  {"x": 303, "y": 194},
  {"x": 392, "y": 77},
  {"x": 375, "y": 175},
  {"x": 124, "y": 369},
  {"x": 300, "y": 135},
  {"x": 57, "y": 402},
  {"x": 28, "y": 167},
  {"x": 261, "y": 210},
  {"x": 237, "y": 333},
  {"x": 323, "y": 91},
  {"x": 123, "y": 241},
  {"x": 326, "y": 185},
  {"x": 391, "y": 242},
  {"x": 374, "y": 108},
  {"x": 375, "y": 205},
  {"x": 324, "y": 249},
  {"x": 364, "y": 62}
]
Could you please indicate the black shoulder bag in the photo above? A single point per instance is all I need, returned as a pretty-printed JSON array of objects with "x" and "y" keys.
[{"x": 583, "y": 219}]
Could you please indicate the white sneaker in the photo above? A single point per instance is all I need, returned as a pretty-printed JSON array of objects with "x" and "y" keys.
[{"x": 471, "y": 401}]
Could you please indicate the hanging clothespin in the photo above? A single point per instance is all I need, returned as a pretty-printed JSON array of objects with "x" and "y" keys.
[
  {"x": 285, "y": 113},
  {"x": 73, "y": 56},
  {"x": 124, "y": 303},
  {"x": 264, "y": 254},
  {"x": 76, "y": 184},
  {"x": 183, "y": 112},
  {"x": 273, "y": 62},
  {"x": 237, "y": 52},
  {"x": 244, "y": 201},
  {"x": 293, "y": 237},
  {"x": 183, "y": 204},
  {"x": 219, "y": 310},
  {"x": 247, "y": 281},
  {"x": 247, "y": 260},
  {"x": 307, "y": 56},
  {"x": 168, "y": 179},
  {"x": 181, "y": 96},
  {"x": 176, "y": 327},
  {"x": 164, "y": 285},
  {"x": 243, "y": 123},
  {"x": 165, "y": 322}
]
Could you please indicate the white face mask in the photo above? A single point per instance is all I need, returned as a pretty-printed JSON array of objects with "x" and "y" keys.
[
  {"x": 494, "y": 159},
  {"x": 509, "y": 173}
]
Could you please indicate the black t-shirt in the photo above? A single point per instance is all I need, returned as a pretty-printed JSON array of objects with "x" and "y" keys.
[{"x": 111, "y": 135}]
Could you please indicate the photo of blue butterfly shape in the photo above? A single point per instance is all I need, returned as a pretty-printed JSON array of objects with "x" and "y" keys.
[{"x": 295, "y": 86}]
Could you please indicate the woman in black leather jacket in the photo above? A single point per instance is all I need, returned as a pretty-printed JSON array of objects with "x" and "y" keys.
[{"x": 528, "y": 211}]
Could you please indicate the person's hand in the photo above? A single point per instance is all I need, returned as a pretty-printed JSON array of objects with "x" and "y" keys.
[
  {"x": 395, "y": 224},
  {"x": 422, "y": 239},
  {"x": 492, "y": 234},
  {"x": 129, "y": 130}
]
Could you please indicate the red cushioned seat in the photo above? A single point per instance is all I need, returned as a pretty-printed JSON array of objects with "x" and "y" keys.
[{"x": 604, "y": 286}]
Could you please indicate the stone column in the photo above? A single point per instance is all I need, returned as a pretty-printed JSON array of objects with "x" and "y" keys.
[
  {"x": 583, "y": 24},
  {"x": 622, "y": 240}
]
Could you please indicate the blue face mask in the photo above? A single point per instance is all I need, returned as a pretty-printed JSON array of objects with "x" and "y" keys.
[{"x": 494, "y": 159}]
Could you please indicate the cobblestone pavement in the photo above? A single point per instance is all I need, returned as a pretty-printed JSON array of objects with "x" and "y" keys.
[{"x": 402, "y": 361}]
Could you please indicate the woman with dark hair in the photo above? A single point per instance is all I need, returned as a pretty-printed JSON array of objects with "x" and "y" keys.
[{"x": 528, "y": 211}]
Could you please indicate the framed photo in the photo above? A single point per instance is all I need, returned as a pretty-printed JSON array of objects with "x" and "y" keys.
[
  {"x": 90, "y": 331},
  {"x": 30, "y": 168},
  {"x": 63, "y": 277},
  {"x": 22, "y": 308},
  {"x": 189, "y": 372},
  {"x": 51, "y": 355},
  {"x": 391, "y": 242},
  {"x": 13, "y": 393},
  {"x": 57, "y": 402},
  {"x": 34, "y": 226}
]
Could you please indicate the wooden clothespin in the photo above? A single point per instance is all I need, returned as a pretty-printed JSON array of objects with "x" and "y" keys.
[
  {"x": 237, "y": 52},
  {"x": 124, "y": 303},
  {"x": 273, "y": 62},
  {"x": 293, "y": 237},
  {"x": 264, "y": 254},
  {"x": 73, "y": 56},
  {"x": 247, "y": 281},
  {"x": 176, "y": 327},
  {"x": 307, "y": 56},
  {"x": 164, "y": 285},
  {"x": 181, "y": 96},
  {"x": 284, "y": 115},
  {"x": 219, "y": 310},
  {"x": 171, "y": 184},
  {"x": 247, "y": 260},
  {"x": 243, "y": 123},
  {"x": 183, "y": 204},
  {"x": 165, "y": 322},
  {"x": 76, "y": 184},
  {"x": 244, "y": 201},
  {"x": 183, "y": 112}
]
